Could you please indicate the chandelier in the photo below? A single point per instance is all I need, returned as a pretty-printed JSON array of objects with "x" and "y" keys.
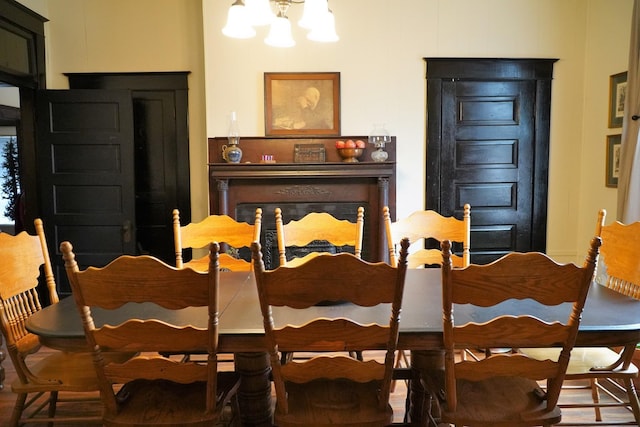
[{"x": 244, "y": 15}]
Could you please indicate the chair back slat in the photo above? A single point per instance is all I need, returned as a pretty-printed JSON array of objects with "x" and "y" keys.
[
  {"x": 333, "y": 367},
  {"x": 346, "y": 334},
  {"x": 505, "y": 331},
  {"x": 318, "y": 226},
  {"x": 23, "y": 253},
  {"x": 302, "y": 288},
  {"x": 156, "y": 368},
  {"x": 512, "y": 365},
  {"x": 138, "y": 279},
  {"x": 486, "y": 285},
  {"x": 150, "y": 335},
  {"x": 619, "y": 252}
]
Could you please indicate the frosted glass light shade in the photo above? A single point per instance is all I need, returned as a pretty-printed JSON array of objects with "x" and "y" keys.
[
  {"x": 313, "y": 9},
  {"x": 280, "y": 33},
  {"x": 325, "y": 29},
  {"x": 259, "y": 12},
  {"x": 238, "y": 25}
]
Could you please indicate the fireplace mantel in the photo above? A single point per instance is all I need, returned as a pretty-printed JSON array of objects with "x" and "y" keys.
[{"x": 236, "y": 188}]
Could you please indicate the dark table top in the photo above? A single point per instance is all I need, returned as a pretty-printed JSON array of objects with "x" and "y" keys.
[{"x": 609, "y": 318}]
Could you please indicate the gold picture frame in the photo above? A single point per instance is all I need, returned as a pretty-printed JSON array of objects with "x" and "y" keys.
[
  {"x": 617, "y": 94},
  {"x": 613, "y": 160},
  {"x": 302, "y": 104}
]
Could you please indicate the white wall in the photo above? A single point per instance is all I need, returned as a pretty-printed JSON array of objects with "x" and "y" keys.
[
  {"x": 607, "y": 54},
  {"x": 382, "y": 71}
]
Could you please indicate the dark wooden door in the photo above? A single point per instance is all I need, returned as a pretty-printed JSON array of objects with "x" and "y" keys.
[
  {"x": 488, "y": 144},
  {"x": 161, "y": 144},
  {"x": 85, "y": 163}
]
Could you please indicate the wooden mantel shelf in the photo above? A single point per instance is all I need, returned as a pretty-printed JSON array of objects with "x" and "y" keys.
[
  {"x": 236, "y": 189},
  {"x": 297, "y": 170}
]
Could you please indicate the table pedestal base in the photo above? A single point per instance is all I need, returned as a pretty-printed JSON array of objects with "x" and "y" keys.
[
  {"x": 427, "y": 384},
  {"x": 254, "y": 395}
]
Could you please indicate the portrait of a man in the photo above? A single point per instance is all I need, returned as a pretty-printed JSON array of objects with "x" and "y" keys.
[{"x": 301, "y": 106}]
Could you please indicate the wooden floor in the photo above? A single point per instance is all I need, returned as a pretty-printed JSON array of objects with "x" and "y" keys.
[{"x": 397, "y": 401}]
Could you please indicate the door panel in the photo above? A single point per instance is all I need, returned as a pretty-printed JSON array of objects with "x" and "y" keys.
[
  {"x": 487, "y": 160},
  {"x": 85, "y": 161}
]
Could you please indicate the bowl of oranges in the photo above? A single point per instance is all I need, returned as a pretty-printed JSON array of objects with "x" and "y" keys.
[{"x": 350, "y": 150}]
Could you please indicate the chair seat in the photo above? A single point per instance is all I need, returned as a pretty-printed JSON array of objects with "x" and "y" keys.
[
  {"x": 330, "y": 402},
  {"x": 165, "y": 403},
  {"x": 501, "y": 402},
  {"x": 583, "y": 359},
  {"x": 62, "y": 371}
]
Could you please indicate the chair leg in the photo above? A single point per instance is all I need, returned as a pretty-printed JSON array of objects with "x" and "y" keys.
[
  {"x": 595, "y": 395},
  {"x": 633, "y": 399},
  {"x": 17, "y": 409},
  {"x": 396, "y": 366},
  {"x": 53, "y": 401}
]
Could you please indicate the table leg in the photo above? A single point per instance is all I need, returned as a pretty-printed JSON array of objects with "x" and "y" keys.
[
  {"x": 426, "y": 384},
  {"x": 254, "y": 395}
]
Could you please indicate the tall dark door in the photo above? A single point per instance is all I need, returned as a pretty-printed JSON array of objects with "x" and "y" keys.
[
  {"x": 85, "y": 163},
  {"x": 161, "y": 145},
  {"x": 488, "y": 144}
]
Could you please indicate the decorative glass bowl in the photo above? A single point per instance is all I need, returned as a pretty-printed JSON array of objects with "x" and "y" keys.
[{"x": 350, "y": 155}]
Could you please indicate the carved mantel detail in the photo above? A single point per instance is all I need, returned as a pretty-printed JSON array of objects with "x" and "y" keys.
[{"x": 302, "y": 190}]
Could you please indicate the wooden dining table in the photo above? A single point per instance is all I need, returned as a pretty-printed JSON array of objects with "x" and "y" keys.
[{"x": 609, "y": 319}]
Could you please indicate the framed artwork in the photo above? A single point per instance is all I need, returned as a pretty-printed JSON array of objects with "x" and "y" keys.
[
  {"x": 617, "y": 94},
  {"x": 300, "y": 104},
  {"x": 613, "y": 160}
]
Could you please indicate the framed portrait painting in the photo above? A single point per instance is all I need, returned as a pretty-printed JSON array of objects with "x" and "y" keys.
[
  {"x": 302, "y": 104},
  {"x": 617, "y": 95},
  {"x": 613, "y": 160}
]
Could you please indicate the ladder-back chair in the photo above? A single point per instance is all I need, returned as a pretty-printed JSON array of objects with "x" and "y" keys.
[
  {"x": 331, "y": 389},
  {"x": 420, "y": 226},
  {"x": 423, "y": 225},
  {"x": 502, "y": 390},
  {"x": 231, "y": 234},
  {"x": 150, "y": 389},
  {"x": 609, "y": 371},
  {"x": 53, "y": 376}
]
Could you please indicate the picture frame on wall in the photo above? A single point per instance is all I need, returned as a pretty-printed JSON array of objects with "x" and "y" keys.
[
  {"x": 617, "y": 94},
  {"x": 302, "y": 104},
  {"x": 613, "y": 160}
]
